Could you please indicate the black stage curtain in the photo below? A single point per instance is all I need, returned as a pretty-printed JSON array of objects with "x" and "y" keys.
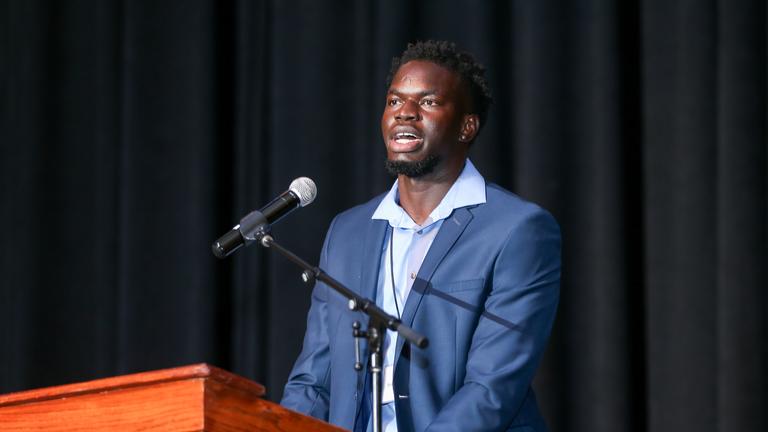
[{"x": 135, "y": 132}]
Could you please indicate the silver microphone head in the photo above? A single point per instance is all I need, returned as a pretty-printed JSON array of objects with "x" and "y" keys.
[{"x": 305, "y": 189}]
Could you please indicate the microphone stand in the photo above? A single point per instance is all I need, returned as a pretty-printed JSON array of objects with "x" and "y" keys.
[{"x": 378, "y": 321}]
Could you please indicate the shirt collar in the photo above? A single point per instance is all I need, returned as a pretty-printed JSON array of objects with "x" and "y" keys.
[{"x": 468, "y": 189}]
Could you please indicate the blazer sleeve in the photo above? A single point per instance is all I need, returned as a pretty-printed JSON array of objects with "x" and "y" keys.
[
  {"x": 308, "y": 387},
  {"x": 512, "y": 332}
]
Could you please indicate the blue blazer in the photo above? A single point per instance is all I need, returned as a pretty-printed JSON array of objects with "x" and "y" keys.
[{"x": 485, "y": 296}]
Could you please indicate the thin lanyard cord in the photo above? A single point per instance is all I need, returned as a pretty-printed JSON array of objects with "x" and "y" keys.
[{"x": 392, "y": 269}]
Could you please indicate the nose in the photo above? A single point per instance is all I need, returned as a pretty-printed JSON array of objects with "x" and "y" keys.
[{"x": 408, "y": 111}]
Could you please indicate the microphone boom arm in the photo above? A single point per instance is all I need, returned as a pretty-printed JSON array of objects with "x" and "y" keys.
[{"x": 356, "y": 302}]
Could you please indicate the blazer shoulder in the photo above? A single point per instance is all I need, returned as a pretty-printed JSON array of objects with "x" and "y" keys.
[{"x": 500, "y": 200}]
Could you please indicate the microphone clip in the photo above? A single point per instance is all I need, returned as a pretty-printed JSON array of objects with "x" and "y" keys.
[{"x": 253, "y": 227}]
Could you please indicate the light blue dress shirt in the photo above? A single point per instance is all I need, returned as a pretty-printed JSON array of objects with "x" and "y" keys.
[{"x": 411, "y": 243}]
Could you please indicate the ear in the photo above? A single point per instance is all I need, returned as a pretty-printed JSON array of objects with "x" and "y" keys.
[{"x": 470, "y": 126}]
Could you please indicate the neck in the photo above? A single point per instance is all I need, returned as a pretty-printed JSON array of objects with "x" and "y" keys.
[{"x": 420, "y": 196}]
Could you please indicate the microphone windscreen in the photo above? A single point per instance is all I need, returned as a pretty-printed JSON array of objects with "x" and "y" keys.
[{"x": 305, "y": 189}]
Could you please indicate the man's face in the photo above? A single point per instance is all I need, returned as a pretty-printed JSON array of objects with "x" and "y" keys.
[{"x": 424, "y": 120}]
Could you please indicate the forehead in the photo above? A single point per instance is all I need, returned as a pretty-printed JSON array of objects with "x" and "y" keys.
[{"x": 424, "y": 76}]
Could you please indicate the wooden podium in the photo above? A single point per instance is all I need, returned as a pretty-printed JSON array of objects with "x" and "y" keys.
[{"x": 191, "y": 398}]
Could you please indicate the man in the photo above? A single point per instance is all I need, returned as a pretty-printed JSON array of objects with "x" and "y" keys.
[{"x": 469, "y": 265}]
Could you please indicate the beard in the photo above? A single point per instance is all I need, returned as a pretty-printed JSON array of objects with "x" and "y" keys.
[{"x": 412, "y": 169}]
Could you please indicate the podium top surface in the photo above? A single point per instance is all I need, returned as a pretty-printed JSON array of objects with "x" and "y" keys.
[{"x": 200, "y": 370}]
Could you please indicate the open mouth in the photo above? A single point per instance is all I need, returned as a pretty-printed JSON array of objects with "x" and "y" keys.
[{"x": 403, "y": 142}]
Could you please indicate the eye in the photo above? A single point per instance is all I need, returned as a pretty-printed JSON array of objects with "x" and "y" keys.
[
  {"x": 428, "y": 102},
  {"x": 393, "y": 102}
]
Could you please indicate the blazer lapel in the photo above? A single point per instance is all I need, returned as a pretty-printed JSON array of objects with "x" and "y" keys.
[
  {"x": 372, "y": 248},
  {"x": 449, "y": 232}
]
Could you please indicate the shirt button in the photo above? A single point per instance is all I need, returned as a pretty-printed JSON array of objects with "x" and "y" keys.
[
  {"x": 413, "y": 275},
  {"x": 419, "y": 232}
]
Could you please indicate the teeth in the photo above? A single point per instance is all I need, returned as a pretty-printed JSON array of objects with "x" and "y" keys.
[{"x": 405, "y": 135}]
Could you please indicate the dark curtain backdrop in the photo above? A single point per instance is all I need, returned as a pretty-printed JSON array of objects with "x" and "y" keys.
[{"x": 135, "y": 132}]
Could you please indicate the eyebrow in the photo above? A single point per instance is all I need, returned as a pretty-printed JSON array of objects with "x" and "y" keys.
[{"x": 429, "y": 92}]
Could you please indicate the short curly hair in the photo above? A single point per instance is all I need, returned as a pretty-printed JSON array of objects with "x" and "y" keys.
[{"x": 447, "y": 55}]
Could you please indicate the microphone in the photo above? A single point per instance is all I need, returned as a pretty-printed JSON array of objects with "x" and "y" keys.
[{"x": 301, "y": 192}]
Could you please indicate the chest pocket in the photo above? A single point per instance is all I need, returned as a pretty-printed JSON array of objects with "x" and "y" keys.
[
  {"x": 466, "y": 294},
  {"x": 459, "y": 286}
]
